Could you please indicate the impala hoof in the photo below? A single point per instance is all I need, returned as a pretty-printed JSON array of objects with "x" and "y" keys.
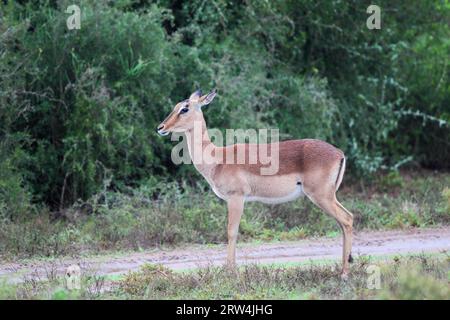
[{"x": 344, "y": 276}]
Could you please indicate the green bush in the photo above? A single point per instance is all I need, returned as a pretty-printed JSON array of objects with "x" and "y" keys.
[{"x": 78, "y": 108}]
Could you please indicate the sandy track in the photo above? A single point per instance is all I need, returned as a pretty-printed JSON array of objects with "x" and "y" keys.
[{"x": 365, "y": 243}]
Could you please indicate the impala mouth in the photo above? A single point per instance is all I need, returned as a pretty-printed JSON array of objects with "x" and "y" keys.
[{"x": 163, "y": 133}]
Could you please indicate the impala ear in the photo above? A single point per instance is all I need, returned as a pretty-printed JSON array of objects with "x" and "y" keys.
[
  {"x": 196, "y": 95},
  {"x": 208, "y": 98}
]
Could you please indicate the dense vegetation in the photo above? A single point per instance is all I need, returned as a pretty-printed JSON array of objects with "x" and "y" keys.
[{"x": 78, "y": 108}]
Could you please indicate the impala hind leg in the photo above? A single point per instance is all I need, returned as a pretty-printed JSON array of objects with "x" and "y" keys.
[
  {"x": 349, "y": 229},
  {"x": 235, "y": 209},
  {"x": 328, "y": 203}
]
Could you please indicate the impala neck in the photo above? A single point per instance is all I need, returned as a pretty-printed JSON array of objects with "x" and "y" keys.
[{"x": 201, "y": 149}]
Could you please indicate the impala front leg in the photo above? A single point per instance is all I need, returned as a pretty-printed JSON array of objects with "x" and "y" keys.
[{"x": 235, "y": 209}]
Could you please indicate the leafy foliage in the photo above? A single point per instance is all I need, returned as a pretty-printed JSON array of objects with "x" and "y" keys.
[{"x": 78, "y": 108}]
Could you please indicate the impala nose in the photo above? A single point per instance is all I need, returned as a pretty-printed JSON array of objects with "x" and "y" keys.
[{"x": 161, "y": 131}]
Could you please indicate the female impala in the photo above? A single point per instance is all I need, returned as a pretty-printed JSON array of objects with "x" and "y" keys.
[{"x": 311, "y": 167}]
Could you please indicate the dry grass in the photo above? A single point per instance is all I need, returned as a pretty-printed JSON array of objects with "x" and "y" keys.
[{"x": 415, "y": 277}]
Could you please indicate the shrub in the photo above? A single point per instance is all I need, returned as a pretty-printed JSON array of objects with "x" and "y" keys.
[{"x": 78, "y": 108}]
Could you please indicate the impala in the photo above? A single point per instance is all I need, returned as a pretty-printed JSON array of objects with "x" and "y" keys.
[{"x": 306, "y": 167}]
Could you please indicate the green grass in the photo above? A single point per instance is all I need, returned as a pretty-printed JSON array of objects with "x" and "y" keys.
[
  {"x": 412, "y": 277},
  {"x": 115, "y": 222}
]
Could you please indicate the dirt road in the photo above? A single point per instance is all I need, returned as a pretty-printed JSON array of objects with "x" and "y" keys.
[{"x": 365, "y": 243}]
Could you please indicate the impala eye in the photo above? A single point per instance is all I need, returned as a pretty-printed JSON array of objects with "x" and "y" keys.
[{"x": 184, "y": 110}]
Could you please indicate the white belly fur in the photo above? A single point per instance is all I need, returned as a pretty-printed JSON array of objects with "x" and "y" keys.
[
  {"x": 276, "y": 200},
  {"x": 221, "y": 196}
]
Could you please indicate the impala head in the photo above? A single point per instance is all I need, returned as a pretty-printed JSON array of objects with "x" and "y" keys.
[{"x": 185, "y": 113}]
